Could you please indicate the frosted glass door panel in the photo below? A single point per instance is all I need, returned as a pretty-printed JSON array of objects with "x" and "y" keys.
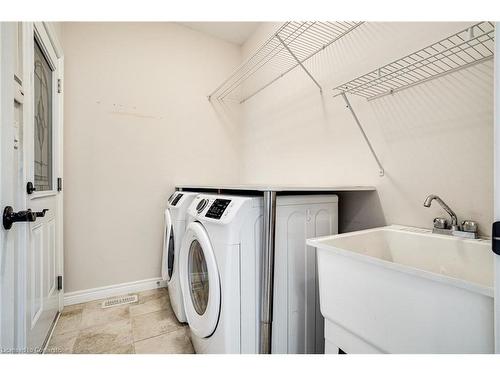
[{"x": 43, "y": 121}]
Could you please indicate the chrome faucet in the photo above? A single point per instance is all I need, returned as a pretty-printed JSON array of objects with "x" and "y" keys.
[
  {"x": 454, "y": 220},
  {"x": 468, "y": 229}
]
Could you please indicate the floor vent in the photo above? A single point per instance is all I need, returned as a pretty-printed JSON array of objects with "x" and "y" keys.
[{"x": 119, "y": 301}]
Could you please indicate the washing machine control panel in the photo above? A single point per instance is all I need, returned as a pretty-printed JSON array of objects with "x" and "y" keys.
[
  {"x": 201, "y": 205},
  {"x": 217, "y": 208}
]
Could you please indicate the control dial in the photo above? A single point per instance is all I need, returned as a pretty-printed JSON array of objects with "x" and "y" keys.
[{"x": 201, "y": 205}]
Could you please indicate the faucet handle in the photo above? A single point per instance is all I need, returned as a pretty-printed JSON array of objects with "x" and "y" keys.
[
  {"x": 440, "y": 223},
  {"x": 469, "y": 226}
]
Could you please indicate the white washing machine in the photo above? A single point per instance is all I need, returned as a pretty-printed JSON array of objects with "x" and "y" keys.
[
  {"x": 174, "y": 228},
  {"x": 298, "y": 326},
  {"x": 219, "y": 268}
]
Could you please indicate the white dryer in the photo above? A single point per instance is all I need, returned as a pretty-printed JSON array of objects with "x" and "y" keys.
[
  {"x": 219, "y": 269},
  {"x": 174, "y": 228}
]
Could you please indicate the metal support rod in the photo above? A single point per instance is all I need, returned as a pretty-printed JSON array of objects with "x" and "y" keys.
[
  {"x": 266, "y": 303},
  {"x": 381, "y": 169},
  {"x": 299, "y": 62}
]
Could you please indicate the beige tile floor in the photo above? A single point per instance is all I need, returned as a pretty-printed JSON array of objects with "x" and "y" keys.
[{"x": 147, "y": 326}]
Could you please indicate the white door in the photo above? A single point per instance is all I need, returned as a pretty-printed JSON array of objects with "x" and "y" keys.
[
  {"x": 43, "y": 168},
  {"x": 30, "y": 253}
]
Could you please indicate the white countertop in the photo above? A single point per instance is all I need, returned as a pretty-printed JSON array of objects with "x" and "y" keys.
[{"x": 277, "y": 188}]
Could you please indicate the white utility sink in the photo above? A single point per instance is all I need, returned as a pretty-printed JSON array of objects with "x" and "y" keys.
[{"x": 405, "y": 290}]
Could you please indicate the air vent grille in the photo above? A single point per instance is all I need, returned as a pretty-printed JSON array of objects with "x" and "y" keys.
[{"x": 117, "y": 301}]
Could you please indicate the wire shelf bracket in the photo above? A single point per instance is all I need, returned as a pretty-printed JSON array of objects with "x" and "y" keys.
[
  {"x": 356, "y": 120},
  {"x": 299, "y": 62},
  {"x": 291, "y": 46},
  {"x": 462, "y": 50}
]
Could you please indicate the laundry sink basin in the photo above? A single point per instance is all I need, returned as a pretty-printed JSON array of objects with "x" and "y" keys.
[{"x": 399, "y": 289}]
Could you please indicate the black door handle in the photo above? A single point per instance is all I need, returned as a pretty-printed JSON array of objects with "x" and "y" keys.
[
  {"x": 495, "y": 237},
  {"x": 41, "y": 213},
  {"x": 10, "y": 217}
]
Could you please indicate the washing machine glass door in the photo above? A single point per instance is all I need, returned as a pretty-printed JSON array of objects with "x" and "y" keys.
[
  {"x": 168, "y": 248},
  {"x": 201, "y": 283}
]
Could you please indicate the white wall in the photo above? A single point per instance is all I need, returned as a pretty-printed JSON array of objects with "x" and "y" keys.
[
  {"x": 433, "y": 138},
  {"x": 137, "y": 122},
  {"x": 57, "y": 27}
]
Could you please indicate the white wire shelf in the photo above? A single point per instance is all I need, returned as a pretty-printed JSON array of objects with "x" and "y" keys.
[
  {"x": 468, "y": 47},
  {"x": 288, "y": 48}
]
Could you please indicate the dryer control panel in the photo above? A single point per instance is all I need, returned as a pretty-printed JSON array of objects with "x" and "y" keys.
[
  {"x": 217, "y": 208},
  {"x": 177, "y": 199}
]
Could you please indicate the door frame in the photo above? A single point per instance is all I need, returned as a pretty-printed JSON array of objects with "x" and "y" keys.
[
  {"x": 7, "y": 253},
  {"x": 496, "y": 183},
  {"x": 47, "y": 37}
]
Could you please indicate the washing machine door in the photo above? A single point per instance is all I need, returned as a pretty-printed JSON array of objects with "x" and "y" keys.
[
  {"x": 167, "y": 267},
  {"x": 200, "y": 281}
]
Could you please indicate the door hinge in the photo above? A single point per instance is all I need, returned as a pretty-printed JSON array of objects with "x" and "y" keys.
[
  {"x": 59, "y": 85},
  {"x": 59, "y": 282},
  {"x": 59, "y": 184}
]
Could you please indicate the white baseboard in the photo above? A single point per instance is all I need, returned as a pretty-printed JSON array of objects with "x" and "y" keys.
[{"x": 80, "y": 296}]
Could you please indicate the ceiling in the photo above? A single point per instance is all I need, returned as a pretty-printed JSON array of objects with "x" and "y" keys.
[{"x": 233, "y": 32}]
